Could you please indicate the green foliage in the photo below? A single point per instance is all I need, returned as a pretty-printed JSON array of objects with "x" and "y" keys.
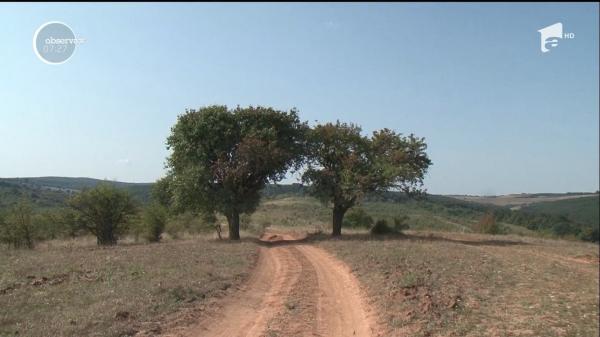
[
  {"x": 154, "y": 220},
  {"x": 161, "y": 192},
  {"x": 105, "y": 211},
  {"x": 344, "y": 166},
  {"x": 175, "y": 227},
  {"x": 381, "y": 227},
  {"x": 56, "y": 223},
  {"x": 401, "y": 223},
  {"x": 590, "y": 234},
  {"x": 17, "y": 228},
  {"x": 583, "y": 210},
  {"x": 357, "y": 217},
  {"x": 221, "y": 159},
  {"x": 190, "y": 222}
]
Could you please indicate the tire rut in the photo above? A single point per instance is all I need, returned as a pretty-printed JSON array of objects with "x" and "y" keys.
[
  {"x": 299, "y": 315},
  {"x": 296, "y": 290}
]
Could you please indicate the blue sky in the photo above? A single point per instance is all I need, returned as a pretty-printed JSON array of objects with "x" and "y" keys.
[{"x": 499, "y": 116}]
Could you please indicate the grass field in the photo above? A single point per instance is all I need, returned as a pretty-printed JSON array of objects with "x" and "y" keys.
[
  {"x": 306, "y": 212},
  {"x": 439, "y": 279},
  {"x": 73, "y": 288},
  {"x": 450, "y": 284}
]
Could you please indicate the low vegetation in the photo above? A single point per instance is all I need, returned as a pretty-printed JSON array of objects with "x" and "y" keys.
[
  {"x": 72, "y": 288},
  {"x": 450, "y": 284},
  {"x": 17, "y": 227}
]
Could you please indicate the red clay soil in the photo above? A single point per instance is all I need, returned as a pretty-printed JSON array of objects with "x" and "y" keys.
[{"x": 296, "y": 289}]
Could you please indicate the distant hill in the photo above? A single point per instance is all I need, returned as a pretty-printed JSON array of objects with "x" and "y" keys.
[
  {"x": 584, "y": 210},
  {"x": 11, "y": 192},
  {"x": 48, "y": 192},
  {"x": 519, "y": 200}
]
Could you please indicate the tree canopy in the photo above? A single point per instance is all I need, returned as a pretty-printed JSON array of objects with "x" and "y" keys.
[
  {"x": 344, "y": 166},
  {"x": 222, "y": 158},
  {"x": 105, "y": 211}
]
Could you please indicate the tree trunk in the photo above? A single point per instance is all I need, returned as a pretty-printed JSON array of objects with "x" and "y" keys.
[
  {"x": 338, "y": 218},
  {"x": 233, "y": 221},
  {"x": 106, "y": 236}
]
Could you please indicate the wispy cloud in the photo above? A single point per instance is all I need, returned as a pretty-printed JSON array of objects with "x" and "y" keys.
[
  {"x": 332, "y": 24},
  {"x": 123, "y": 161}
]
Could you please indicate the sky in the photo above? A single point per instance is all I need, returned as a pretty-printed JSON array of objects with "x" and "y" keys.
[{"x": 498, "y": 115}]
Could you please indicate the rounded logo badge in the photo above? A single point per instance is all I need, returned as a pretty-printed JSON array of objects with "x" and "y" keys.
[{"x": 54, "y": 42}]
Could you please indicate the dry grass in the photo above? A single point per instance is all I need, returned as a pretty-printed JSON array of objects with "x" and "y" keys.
[
  {"x": 449, "y": 284},
  {"x": 77, "y": 289}
]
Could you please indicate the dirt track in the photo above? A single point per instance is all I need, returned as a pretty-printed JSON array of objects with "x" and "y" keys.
[{"x": 296, "y": 290}]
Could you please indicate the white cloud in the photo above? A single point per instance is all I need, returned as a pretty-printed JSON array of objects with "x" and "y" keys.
[{"x": 124, "y": 161}]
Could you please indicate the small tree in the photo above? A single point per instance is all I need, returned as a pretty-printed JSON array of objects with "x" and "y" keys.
[
  {"x": 105, "y": 211},
  {"x": 154, "y": 220},
  {"x": 344, "y": 166},
  {"x": 221, "y": 159},
  {"x": 17, "y": 229}
]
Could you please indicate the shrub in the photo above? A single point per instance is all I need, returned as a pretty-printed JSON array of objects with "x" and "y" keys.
[
  {"x": 191, "y": 222},
  {"x": 105, "y": 211},
  {"x": 174, "y": 227},
  {"x": 400, "y": 223},
  {"x": 17, "y": 228},
  {"x": 590, "y": 234},
  {"x": 154, "y": 221},
  {"x": 358, "y": 218},
  {"x": 56, "y": 223},
  {"x": 487, "y": 225},
  {"x": 381, "y": 227},
  {"x": 564, "y": 228}
]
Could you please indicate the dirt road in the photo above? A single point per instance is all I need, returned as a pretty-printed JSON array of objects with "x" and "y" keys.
[{"x": 296, "y": 290}]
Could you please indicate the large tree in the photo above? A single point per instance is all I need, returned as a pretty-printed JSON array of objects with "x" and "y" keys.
[
  {"x": 344, "y": 165},
  {"x": 221, "y": 159}
]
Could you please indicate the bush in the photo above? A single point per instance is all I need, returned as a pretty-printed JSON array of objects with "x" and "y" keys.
[
  {"x": 154, "y": 221},
  {"x": 191, "y": 223},
  {"x": 174, "y": 228},
  {"x": 487, "y": 225},
  {"x": 564, "y": 228},
  {"x": 56, "y": 223},
  {"x": 400, "y": 223},
  {"x": 105, "y": 211},
  {"x": 17, "y": 228},
  {"x": 590, "y": 234},
  {"x": 381, "y": 227},
  {"x": 358, "y": 218}
]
